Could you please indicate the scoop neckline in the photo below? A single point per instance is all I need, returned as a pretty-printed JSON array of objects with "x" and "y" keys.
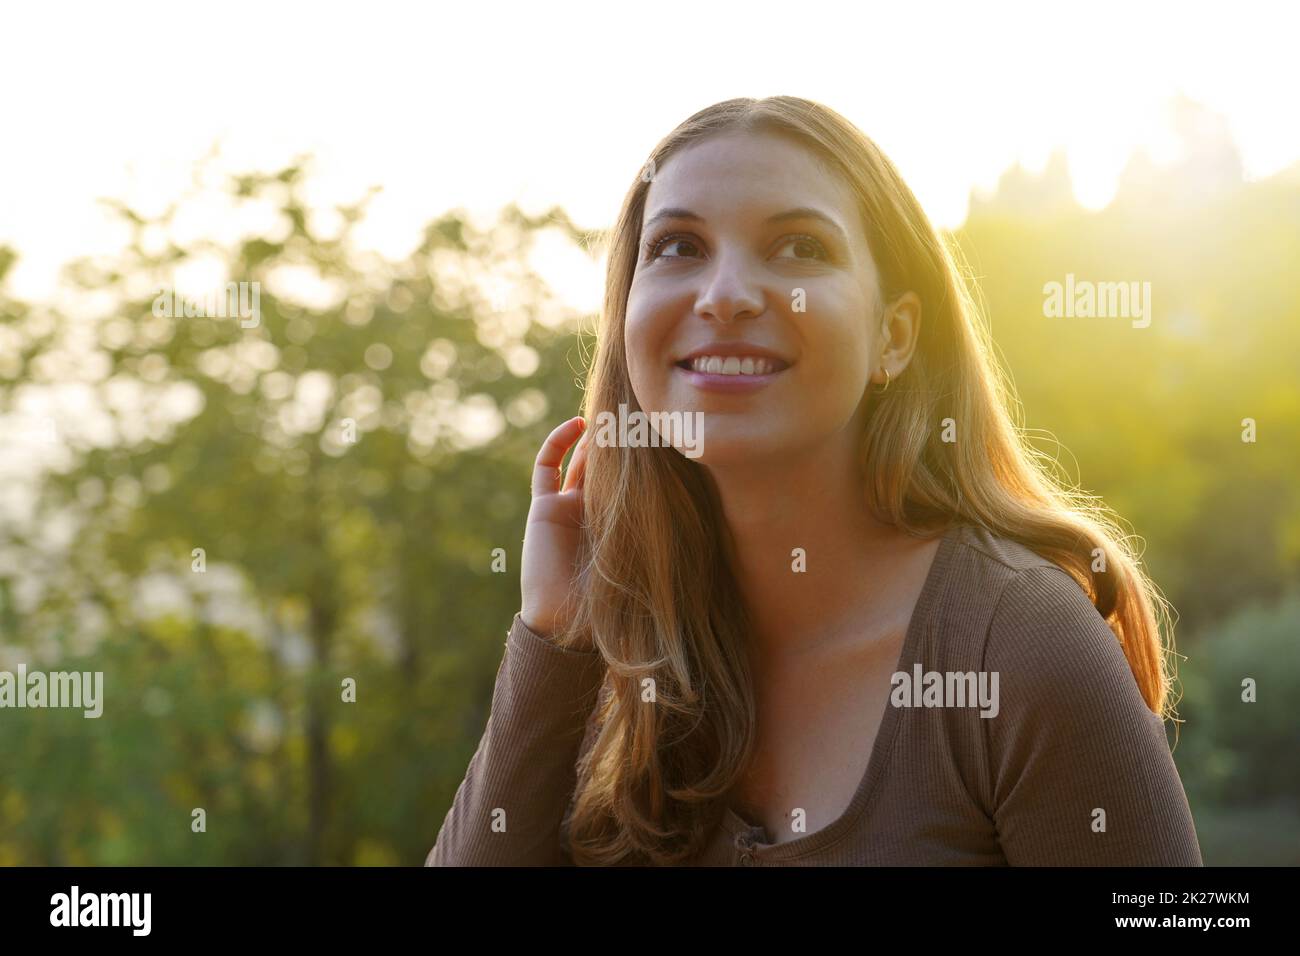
[{"x": 935, "y": 580}]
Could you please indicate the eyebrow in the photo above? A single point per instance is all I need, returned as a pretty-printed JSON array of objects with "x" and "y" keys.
[{"x": 799, "y": 212}]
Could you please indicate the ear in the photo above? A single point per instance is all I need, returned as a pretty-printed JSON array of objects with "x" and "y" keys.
[{"x": 900, "y": 330}]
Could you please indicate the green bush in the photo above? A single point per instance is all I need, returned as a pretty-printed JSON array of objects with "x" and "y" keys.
[{"x": 1237, "y": 758}]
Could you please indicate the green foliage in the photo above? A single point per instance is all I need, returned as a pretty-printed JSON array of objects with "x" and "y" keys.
[
  {"x": 1238, "y": 757},
  {"x": 1245, "y": 750},
  {"x": 367, "y": 560}
]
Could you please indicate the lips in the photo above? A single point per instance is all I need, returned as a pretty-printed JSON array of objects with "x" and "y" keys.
[
  {"x": 734, "y": 358},
  {"x": 731, "y": 375},
  {"x": 731, "y": 365}
]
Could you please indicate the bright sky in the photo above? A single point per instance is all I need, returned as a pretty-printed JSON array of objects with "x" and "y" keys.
[{"x": 475, "y": 104}]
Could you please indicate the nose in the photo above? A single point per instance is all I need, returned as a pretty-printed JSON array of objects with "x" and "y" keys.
[{"x": 730, "y": 291}]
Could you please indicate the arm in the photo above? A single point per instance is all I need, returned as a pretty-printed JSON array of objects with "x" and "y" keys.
[
  {"x": 1073, "y": 736},
  {"x": 508, "y": 809}
]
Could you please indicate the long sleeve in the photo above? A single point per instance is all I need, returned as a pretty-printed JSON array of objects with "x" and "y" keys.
[
  {"x": 1074, "y": 747},
  {"x": 508, "y": 809}
]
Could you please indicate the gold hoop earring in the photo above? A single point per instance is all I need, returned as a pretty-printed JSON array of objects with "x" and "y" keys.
[{"x": 880, "y": 391}]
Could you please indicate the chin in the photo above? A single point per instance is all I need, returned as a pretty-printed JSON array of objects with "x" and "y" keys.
[{"x": 731, "y": 449}]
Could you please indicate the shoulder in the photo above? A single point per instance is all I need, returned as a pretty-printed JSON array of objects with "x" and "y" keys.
[
  {"x": 1047, "y": 634},
  {"x": 1059, "y": 665},
  {"x": 1018, "y": 590},
  {"x": 980, "y": 576},
  {"x": 982, "y": 546},
  {"x": 1030, "y": 621},
  {"x": 979, "y": 566},
  {"x": 1074, "y": 766}
]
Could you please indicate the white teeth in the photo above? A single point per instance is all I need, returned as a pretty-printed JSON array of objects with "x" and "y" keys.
[{"x": 732, "y": 365}]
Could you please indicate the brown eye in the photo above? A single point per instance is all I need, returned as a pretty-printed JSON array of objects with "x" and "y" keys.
[
  {"x": 807, "y": 248},
  {"x": 656, "y": 247}
]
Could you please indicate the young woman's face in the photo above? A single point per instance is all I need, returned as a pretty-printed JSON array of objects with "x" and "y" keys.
[{"x": 744, "y": 267}]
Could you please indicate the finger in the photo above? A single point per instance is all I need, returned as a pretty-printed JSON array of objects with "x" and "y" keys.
[
  {"x": 578, "y": 463},
  {"x": 546, "y": 470}
]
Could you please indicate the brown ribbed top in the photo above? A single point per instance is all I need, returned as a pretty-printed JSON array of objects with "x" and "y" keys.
[{"x": 944, "y": 786}]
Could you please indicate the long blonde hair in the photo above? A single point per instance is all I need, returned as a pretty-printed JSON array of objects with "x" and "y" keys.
[{"x": 658, "y": 597}]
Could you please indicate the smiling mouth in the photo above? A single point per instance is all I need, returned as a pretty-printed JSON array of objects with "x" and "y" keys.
[{"x": 734, "y": 365}]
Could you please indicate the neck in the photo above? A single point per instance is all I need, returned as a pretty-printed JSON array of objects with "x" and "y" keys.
[{"x": 814, "y": 501}]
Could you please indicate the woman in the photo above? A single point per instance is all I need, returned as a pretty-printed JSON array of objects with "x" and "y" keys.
[{"x": 863, "y": 624}]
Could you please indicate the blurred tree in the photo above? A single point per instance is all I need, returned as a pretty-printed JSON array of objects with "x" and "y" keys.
[
  {"x": 1241, "y": 737},
  {"x": 355, "y": 455}
]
